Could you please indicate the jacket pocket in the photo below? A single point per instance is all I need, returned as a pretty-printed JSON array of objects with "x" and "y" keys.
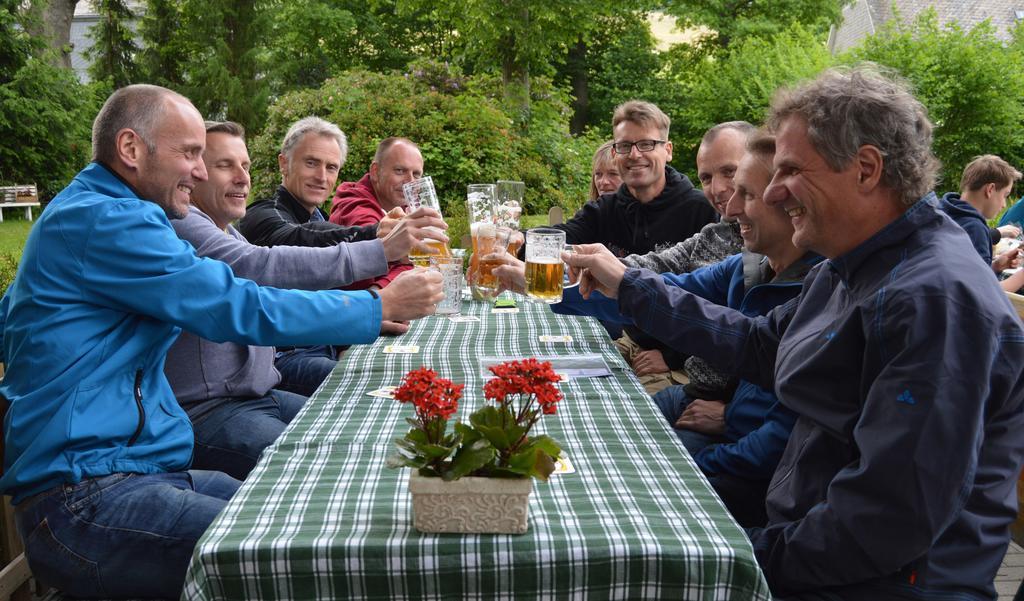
[{"x": 137, "y": 395}]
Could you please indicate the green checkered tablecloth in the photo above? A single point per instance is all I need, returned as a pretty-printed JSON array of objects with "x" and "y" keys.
[{"x": 322, "y": 518}]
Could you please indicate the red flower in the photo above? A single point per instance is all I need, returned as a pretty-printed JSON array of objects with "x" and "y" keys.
[
  {"x": 432, "y": 396},
  {"x": 529, "y": 378}
]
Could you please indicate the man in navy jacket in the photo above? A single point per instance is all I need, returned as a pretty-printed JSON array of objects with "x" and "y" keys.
[{"x": 904, "y": 362}]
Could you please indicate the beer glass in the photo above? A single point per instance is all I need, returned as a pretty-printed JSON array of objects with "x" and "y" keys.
[
  {"x": 508, "y": 207},
  {"x": 451, "y": 276},
  {"x": 544, "y": 267},
  {"x": 489, "y": 240},
  {"x": 480, "y": 213},
  {"x": 420, "y": 193}
]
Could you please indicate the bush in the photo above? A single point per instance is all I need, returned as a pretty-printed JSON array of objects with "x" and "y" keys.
[
  {"x": 463, "y": 130},
  {"x": 8, "y": 268},
  {"x": 737, "y": 83},
  {"x": 970, "y": 81},
  {"x": 45, "y": 127}
]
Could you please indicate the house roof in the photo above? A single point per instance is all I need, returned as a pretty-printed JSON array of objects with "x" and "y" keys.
[{"x": 864, "y": 17}]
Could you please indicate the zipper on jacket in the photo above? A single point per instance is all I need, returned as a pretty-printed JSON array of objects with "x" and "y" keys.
[{"x": 138, "y": 404}]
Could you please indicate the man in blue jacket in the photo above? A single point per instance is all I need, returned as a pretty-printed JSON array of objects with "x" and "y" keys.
[
  {"x": 96, "y": 449},
  {"x": 903, "y": 361}
]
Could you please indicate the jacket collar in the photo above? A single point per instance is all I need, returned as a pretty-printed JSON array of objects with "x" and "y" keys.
[
  {"x": 757, "y": 271},
  {"x": 889, "y": 240},
  {"x": 289, "y": 202},
  {"x": 102, "y": 178},
  {"x": 676, "y": 184}
]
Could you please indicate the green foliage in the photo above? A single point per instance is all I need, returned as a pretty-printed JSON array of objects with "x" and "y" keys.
[
  {"x": 8, "y": 269},
  {"x": 16, "y": 45},
  {"x": 161, "y": 60},
  {"x": 308, "y": 42},
  {"x": 223, "y": 40},
  {"x": 738, "y": 84},
  {"x": 113, "y": 50},
  {"x": 970, "y": 81},
  {"x": 464, "y": 134},
  {"x": 45, "y": 124},
  {"x": 733, "y": 20},
  {"x": 622, "y": 63}
]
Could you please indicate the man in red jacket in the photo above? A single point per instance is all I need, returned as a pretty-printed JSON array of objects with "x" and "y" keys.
[{"x": 396, "y": 162}]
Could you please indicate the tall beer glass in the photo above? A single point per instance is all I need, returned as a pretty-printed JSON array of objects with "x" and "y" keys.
[
  {"x": 420, "y": 193},
  {"x": 508, "y": 208},
  {"x": 490, "y": 241},
  {"x": 480, "y": 214},
  {"x": 544, "y": 267}
]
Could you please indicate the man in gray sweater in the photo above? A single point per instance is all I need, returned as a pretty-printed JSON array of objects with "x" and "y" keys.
[{"x": 227, "y": 389}]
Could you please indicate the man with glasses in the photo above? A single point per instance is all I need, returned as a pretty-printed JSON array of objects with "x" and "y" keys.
[{"x": 657, "y": 207}]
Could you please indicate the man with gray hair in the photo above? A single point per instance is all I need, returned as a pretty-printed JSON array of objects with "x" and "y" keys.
[
  {"x": 903, "y": 361},
  {"x": 312, "y": 154},
  {"x": 97, "y": 450}
]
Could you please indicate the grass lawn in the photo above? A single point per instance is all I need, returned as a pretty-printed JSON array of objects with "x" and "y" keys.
[{"x": 13, "y": 233}]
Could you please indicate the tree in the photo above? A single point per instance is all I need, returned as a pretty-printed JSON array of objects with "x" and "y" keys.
[
  {"x": 162, "y": 58},
  {"x": 970, "y": 81},
  {"x": 113, "y": 51},
  {"x": 16, "y": 45},
  {"x": 619, "y": 64},
  {"x": 309, "y": 41},
  {"x": 739, "y": 19},
  {"x": 45, "y": 122},
  {"x": 222, "y": 40},
  {"x": 735, "y": 83},
  {"x": 517, "y": 39},
  {"x": 50, "y": 20}
]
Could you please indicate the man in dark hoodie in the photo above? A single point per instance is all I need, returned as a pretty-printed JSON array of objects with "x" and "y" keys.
[
  {"x": 656, "y": 206},
  {"x": 984, "y": 187}
]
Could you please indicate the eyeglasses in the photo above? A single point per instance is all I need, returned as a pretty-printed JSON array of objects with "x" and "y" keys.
[{"x": 641, "y": 145}]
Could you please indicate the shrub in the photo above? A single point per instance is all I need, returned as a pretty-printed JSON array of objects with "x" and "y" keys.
[
  {"x": 464, "y": 132},
  {"x": 45, "y": 127}
]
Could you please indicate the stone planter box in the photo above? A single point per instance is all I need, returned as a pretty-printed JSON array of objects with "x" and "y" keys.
[{"x": 477, "y": 505}]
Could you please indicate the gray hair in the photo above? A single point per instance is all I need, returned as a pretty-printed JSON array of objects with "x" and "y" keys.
[
  {"x": 847, "y": 109},
  {"x": 313, "y": 125},
  {"x": 743, "y": 127},
  {"x": 138, "y": 107}
]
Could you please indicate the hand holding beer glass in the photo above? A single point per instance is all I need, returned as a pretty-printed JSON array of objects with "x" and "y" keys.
[
  {"x": 545, "y": 270},
  {"x": 420, "y": 193},
  {"x": 490, "y": 242}
]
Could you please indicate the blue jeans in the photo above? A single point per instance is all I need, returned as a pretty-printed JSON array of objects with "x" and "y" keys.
[
  {"x": 672, "y": 401},
  {"x": 231, "y": 433},
  {"x": 122, "y": 535},
  {"x": 304, "y": 368}
]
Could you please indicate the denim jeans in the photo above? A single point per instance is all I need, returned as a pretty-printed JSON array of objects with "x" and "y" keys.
[
  {"x": 122, "y": 535},
  {"x": 672, "y": 401},
  {"x": 231, "y": 432},
  {"x": 303, "y": 369}
]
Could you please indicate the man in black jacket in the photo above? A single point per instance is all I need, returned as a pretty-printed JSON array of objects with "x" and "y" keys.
[
  {"x": 311, "y": 157},
  {"x": 656, "y": 206}
]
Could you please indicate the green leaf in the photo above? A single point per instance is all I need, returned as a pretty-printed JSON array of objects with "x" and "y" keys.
[
  {"x": 470, "y": 458},
  {"x": 487, "y": 421}
]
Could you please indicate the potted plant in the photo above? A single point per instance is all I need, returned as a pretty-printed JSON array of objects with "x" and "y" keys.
[{"x": 478, "y": 477}]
